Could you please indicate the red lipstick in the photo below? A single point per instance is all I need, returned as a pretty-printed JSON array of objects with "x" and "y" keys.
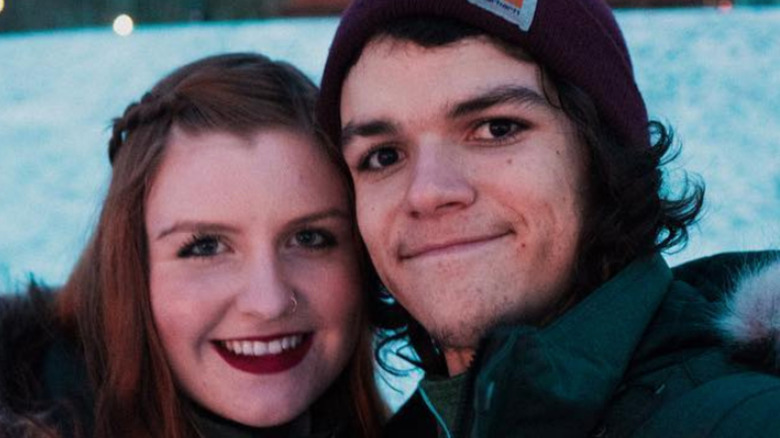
[{"x": 266, "y": 363}]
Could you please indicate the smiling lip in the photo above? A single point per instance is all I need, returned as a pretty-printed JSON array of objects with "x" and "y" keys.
[
  {"x": 265, "y": 355},
  {"x": 450, "y": 246}
]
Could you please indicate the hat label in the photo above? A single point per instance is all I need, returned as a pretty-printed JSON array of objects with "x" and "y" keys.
[{"x": 519, "y": 12}]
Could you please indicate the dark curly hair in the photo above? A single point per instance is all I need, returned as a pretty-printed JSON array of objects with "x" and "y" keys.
[{"x": 630, "y": 214}]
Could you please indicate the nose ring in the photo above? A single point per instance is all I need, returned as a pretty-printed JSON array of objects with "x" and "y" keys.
[{"x": 294, "y": 302}]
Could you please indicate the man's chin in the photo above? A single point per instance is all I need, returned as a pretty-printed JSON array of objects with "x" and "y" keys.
[
  {"x": 458, "y": 337},
  {"x": 468, "y": 332}
]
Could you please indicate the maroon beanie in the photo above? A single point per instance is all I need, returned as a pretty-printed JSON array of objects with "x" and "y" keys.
[{"x": 579, "y": 40}]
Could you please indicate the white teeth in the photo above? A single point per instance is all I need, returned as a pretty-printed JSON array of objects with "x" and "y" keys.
[{"x": 259, "y": 348}]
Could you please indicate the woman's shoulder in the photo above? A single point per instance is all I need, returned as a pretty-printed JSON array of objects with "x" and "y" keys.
[
  {"x": 40, "y": 372},
  {"x": 24, "y": 337},
  {"x": 26, "y": 325}
]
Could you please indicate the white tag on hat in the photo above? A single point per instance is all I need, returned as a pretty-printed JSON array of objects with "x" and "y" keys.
[{"x": 519, "y": 12}]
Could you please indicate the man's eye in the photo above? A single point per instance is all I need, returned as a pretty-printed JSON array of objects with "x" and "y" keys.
[
  {"x": 313, "y": 239},
  {"x": 380, "y": 158},
  {"x": 497, "y": 129},
  {"x": 202, "y": 246}
]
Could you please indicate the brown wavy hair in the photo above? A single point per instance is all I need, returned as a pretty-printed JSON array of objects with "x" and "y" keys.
[{"x": 106, "y": 304}]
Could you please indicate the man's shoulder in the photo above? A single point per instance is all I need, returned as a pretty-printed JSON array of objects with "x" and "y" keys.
[
  {"x": 728, "y": 301},
  {"x": 721, "y": 273},
  {"x": 710, "y": 358},
  {"x": 742, "y": 404},
  {"x": 413, "y": 419},
  {"x": 740, "y": 296},
  {"x": 703, "y": 394}
]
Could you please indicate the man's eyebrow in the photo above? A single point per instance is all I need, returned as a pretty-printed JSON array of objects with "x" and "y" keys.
[
  {"x": 495, "y": 96},
  {"x": 188, "y": 226},
  {"x": 369, "y": 128}
]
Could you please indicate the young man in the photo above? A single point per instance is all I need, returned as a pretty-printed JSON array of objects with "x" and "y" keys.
[{"x": 508, "y": 188}]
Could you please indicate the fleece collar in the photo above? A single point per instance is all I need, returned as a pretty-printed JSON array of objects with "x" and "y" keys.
[{"x": 750, "y": 318}]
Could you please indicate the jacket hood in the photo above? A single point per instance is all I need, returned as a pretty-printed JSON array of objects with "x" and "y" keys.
[{"x": 750, "y": 316}]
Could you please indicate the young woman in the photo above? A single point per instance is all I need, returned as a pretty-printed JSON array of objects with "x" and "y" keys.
[{"x": 220, "y": 295}]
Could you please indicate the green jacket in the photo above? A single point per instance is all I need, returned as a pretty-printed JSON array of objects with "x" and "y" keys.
[{"x": 651, "y": 353}]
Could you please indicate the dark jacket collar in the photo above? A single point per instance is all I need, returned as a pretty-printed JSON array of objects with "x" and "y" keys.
[{"x": 569, "y": 369}]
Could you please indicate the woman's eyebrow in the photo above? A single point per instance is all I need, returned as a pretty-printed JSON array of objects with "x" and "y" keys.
[
  {"x": 189, "y": 226},
  {"x": 336, "y": 213}
]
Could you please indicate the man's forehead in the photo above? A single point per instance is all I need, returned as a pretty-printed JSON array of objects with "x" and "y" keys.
[
  {"x": 470, "y": 87},
  {"x": 472, "y": 61},
  {"x": 387, "y": 44},
  {"x": 386, "y": 55}
]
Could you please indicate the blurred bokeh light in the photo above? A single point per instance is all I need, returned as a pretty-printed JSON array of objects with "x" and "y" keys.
[{"x": 123, "y": 25}]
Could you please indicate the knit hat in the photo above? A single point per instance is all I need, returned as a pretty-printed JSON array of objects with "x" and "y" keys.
[{"x": 578, "y": 40}]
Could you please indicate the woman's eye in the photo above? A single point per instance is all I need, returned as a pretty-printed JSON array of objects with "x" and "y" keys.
[
  {"x": 380, "y": 158},
  {"x": 497, "y": 129},
  {"x": 202, "y": 246},
  {"x": 313, "y": 239}
]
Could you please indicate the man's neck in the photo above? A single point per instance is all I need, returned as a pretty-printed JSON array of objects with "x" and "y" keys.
[{"x": 458, "y": 360}]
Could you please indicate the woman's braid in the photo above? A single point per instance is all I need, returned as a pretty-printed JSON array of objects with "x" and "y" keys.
[{"x": 149, "y": 109}]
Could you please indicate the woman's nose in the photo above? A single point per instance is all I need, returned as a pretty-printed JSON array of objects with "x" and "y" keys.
[{"x": 265, "y": 293}]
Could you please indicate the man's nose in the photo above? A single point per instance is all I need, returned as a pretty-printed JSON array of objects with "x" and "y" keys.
[
  {"x": 265, "y": 293},
  {"x": 438, "y": 183}
]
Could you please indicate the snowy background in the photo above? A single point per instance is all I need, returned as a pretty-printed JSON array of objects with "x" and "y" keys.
[{"x": 712, "y": 75}]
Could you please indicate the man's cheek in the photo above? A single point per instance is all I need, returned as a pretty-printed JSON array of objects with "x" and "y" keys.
[{"x": 369, "y": 220}]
